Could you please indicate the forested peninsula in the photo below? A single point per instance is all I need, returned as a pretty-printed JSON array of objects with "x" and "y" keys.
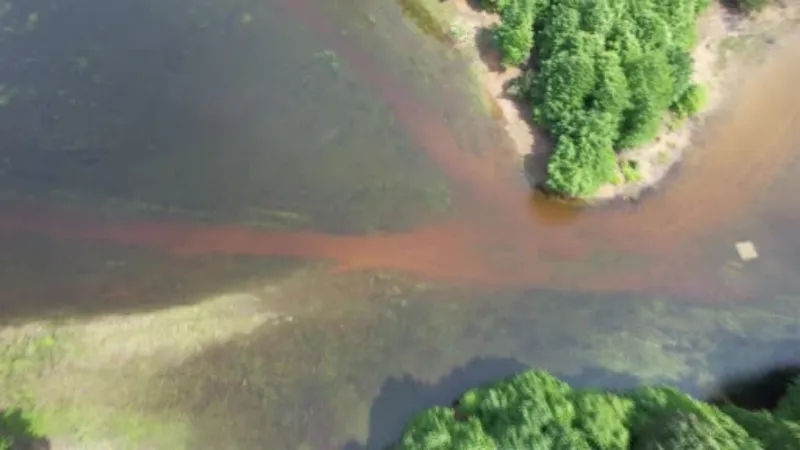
[{"x": 602, "y": 77}]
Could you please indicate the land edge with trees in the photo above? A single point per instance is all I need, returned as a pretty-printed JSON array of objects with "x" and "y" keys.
[
  {"x": 536, "y": 410},
  {"x": 727, "y": 41}
]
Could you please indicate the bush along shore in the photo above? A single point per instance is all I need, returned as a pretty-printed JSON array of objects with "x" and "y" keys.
[
  {"x": 535, "y": 410},
  {"x": 601, "y": 76},
  {"x": 16, "y": 431},
  {"x": 612, "y": 82}
]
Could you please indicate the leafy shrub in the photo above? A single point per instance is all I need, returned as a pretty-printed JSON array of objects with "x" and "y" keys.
[
  {"x": 15, "y": 428},
  {"x": 534, "y": 410},
  {"x": 438, "y": 429},
  {"x": 691, "y": 102},
  {"x": 630, "y": 171},
  {"x": 606, "y": 72}
]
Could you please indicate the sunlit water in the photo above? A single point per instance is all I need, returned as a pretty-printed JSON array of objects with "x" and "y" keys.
[{"x": 328, "y": 164}]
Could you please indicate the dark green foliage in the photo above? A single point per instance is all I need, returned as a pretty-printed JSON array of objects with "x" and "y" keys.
[
  {"x": 15, "y": 428},
  {"x": 773, "y": 432},
  {"x": 535, "y": 410},
  {"x": 495, "y": 5},
  {"x": 684, "y": 430},
  {"x": 515, "y": 33},
  {"x": 608, "y": 71},
  {"x": 789, "y": 406}
]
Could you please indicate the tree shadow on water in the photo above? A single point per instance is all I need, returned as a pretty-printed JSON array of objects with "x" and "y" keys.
[
  {"x": 761, "y": 389},
  {"x": 400, "y": 399}
]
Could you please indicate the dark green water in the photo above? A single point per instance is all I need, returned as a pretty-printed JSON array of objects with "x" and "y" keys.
[
  {"x": 234, "y": 112},
  {"x": 214, "y": 109}
]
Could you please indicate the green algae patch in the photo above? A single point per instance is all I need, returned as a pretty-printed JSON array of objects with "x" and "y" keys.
[
  {"x": 88, "y": 382},
  {"x": 432, "y": 22}
]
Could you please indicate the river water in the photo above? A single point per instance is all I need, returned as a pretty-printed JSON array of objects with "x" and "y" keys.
[{"x": 329, "y": 168}]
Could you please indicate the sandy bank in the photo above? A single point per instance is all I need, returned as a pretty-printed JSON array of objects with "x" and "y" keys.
[{"x": 727, "y": 43}]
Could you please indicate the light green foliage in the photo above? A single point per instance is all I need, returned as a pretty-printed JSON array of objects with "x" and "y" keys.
[
  {"x": 515, "y": 33},
  {"x": 438, "y": 429},
  {"x": 524, "y": 411},
  {"x": 630, "y": 171},
  {"x": 534, "y": 410},
  {"x": 693, "y": 100},
  {"x": 602, "y": 419},
  {"x": 608, "y": 70}
]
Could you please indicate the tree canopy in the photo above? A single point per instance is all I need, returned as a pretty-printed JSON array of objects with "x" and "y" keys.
[
  {"x": 604, "y": 73},
  {"x": 535, "y": 410}
]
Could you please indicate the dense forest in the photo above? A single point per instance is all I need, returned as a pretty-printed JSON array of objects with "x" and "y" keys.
[
  {"x": 601, "y": 75},
  {"x": 534, "y": 410}
]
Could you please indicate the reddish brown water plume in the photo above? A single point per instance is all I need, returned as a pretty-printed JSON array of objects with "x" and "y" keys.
[{"x": 498, "y": 240}]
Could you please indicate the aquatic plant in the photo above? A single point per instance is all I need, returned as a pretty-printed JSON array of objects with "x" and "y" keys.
[
  {"x": 604, "y": 74},
  {"x": 751, "y": 6},
  {"x": 536, "y": 410}
]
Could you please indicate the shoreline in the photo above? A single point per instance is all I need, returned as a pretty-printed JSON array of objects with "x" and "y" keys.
[{"x": 724, "y": 49}]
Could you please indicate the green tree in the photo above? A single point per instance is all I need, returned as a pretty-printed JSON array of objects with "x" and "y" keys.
[
  {"x": 605, "y": 74},
  {"x": 439, "y": 429},
  {"x": 514, "y": 35},
  {"x": 536, "y": 411}
]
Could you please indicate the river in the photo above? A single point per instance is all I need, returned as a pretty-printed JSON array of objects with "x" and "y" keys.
[{"x": 283, "y": 225}]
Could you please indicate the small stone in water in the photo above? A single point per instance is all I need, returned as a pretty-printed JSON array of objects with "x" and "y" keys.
[{"x": 747, "y": 250}]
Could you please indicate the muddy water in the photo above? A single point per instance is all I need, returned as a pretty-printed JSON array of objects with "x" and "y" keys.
[
  {"x": 173, "y": 152},
  {"x": 496, "y": 239}
]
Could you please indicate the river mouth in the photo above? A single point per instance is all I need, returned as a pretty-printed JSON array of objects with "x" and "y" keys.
[{"x": 277, "y": 258}]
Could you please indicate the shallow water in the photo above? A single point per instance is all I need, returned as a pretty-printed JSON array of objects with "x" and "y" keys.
[{"x": 302, "y": 158}]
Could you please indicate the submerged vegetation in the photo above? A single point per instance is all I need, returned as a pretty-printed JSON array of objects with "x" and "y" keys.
[
  {"x": 751, "y": 6},
  {"x": 602, "y": 76},
  {"x": 536, "y": 410}
]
